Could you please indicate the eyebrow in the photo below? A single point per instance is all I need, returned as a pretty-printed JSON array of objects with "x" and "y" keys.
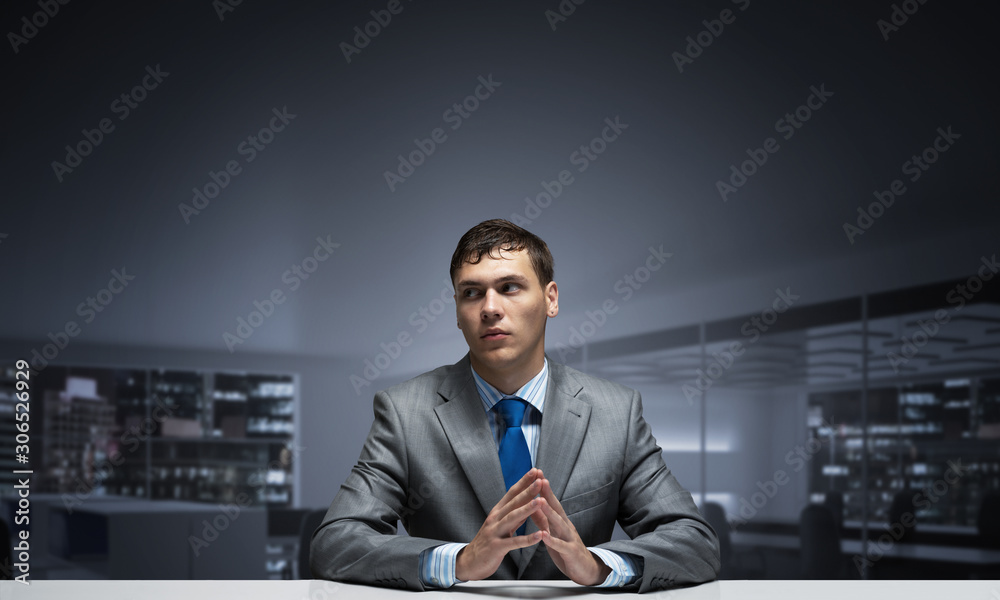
[{"x": 506, "y": 278}]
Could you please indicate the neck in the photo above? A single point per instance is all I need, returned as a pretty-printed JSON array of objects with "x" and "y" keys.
[{"x": 508, "y": 381}]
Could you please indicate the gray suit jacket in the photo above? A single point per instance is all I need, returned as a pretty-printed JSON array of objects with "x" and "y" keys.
[{"x": 431, "y": 462}]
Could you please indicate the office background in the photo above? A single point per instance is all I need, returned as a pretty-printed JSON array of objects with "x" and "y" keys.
[{"x": 271, "y": 193}]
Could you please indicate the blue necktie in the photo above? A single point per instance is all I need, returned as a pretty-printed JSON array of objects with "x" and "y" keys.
[{"x": 515, "y": 460}]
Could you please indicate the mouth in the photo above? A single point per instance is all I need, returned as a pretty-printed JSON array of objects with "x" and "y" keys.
[{"x": 495, "y": 334}]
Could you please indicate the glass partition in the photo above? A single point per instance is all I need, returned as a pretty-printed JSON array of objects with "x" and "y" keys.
[{"x": 881, "y": 413}]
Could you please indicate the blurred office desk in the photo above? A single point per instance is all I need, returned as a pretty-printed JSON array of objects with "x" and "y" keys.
[
  {"x": 324, "y": 590},
  {"x": 42, "y": 507},
  {"x": 170, "y": 539},
  {"x": 907, "y": 551},
  {"x": 129, "y": 538}
]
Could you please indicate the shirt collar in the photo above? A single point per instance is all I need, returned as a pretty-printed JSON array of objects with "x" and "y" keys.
[{"x": 532, "y": 392}]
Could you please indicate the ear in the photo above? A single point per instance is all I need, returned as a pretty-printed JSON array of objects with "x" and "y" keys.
[{"x": 552, "y": 299}]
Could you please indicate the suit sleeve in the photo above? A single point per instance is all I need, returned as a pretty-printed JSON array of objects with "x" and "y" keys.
[
  {"x": 357, "y": 540},
  {"x": 675, "y": 543}
]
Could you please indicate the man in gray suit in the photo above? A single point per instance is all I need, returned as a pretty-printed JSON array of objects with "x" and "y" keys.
[{"x": 431, "y": 458}]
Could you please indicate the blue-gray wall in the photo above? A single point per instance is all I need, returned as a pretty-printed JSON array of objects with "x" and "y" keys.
[{"x": 879, "y": 95}]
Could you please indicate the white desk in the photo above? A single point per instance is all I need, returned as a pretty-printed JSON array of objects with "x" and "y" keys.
[{"x": 325, "y": 590}]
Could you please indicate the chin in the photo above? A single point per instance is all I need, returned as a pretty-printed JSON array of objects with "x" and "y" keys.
[{"x": 497, "y": 358}]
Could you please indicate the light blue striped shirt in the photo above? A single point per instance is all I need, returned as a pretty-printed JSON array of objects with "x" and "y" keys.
[
  {"x": 532, "y": 392},
  {"x": 437, "y": 565}
]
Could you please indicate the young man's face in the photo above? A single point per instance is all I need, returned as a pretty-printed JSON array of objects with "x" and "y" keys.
[{"x": 501, "y": 311}]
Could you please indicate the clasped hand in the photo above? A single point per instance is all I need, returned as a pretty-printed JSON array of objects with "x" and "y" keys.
[{"x": 530, "y": 497}]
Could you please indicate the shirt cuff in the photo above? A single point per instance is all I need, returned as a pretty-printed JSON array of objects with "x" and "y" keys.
[
  {"x": 437, "y": 566},
  {"x": 624, "y": 567}
]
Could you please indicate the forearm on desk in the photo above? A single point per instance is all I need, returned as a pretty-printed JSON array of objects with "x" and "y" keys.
[
  {"x": 437, "y": 566},
  {"x": 625, "y": 568},
  {"x": 667, "y": 531},
  {"x": 352, "y": 552},
  {"x": 681, "y": 552}
]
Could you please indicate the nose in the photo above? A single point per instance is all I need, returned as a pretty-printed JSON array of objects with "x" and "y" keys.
[{"x": 491, "y": 308}]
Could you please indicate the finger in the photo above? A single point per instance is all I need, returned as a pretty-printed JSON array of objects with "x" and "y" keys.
[
  {"x": 512, "y": 520},
  {"x": 560, "y": 526},
  {"x": 541, "y": 521},
  {"x": 556, "y": 522},
  {"x": 550, "y": 498},
  {"x": 522, "y": 484},
  {"x": 523, "y": 498},
  {"x": 523, "y": 541},
  {"x": 557, "y": 545}
]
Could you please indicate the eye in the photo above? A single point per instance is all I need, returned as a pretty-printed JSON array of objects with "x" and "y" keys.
[
  {"x": 510, "y": 287},
  {"x": 470, "y": 293}
]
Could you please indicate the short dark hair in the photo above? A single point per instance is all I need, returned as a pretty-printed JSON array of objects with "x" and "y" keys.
[{"x": 502, "y": 235}]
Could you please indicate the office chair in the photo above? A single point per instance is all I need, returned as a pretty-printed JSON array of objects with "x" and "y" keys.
[
  {"x": 747, "y": 564},
  {"x": 6, "y": 552},
  {"x": 988, "y": 522},
  {"x": 819, "y": 538},
  {"x": 310, "y": 523},
  {"x": 902, "y": 503},
  {"x": 835, "y": 502}
]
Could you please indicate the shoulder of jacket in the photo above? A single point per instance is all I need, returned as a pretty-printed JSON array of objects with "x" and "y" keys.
[
  {"x": 423, "y": 387},
  {"x": 587, "y": 386}
]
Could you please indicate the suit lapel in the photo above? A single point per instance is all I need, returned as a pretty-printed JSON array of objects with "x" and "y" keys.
[
  {"x": 464, "y": 422},
  {"x": 564, "y": 425}
]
